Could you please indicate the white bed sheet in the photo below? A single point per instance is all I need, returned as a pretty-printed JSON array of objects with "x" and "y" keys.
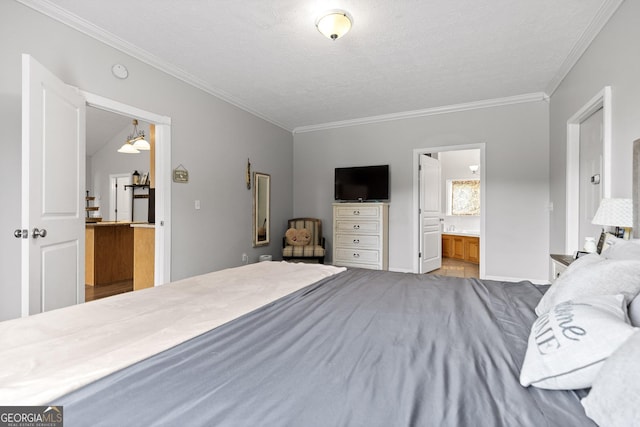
[{"x": 50, "y": 354}]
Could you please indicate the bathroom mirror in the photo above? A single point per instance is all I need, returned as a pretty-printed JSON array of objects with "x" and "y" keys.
[
  {"x": 261, "y": 208},
  {"x": 636, "y": 188}
]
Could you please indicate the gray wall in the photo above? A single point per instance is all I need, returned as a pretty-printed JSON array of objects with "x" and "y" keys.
[
  {"x": 517, "y": 186},
  {"x": 613, "y": 59},
  {"x": 210, "y": 137}
]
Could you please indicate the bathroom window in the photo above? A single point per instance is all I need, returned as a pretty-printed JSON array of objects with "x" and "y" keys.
[{"x": 463, "y": 197}]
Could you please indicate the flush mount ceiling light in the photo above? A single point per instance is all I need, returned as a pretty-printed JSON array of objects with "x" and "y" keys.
[
  {"x": 135, "y": 142},
  {"x": 473, "y": 169},
  {"x": 334, "y": 24}
]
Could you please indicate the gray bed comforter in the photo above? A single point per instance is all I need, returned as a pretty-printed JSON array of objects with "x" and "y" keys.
[{"x": 362, "y": 348}]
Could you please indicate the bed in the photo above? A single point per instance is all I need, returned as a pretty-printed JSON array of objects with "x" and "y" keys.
[{"x": 256, "y": 345}]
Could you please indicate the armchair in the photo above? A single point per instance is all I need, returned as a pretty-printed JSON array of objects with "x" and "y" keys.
[{"x": 315, "y": 250}]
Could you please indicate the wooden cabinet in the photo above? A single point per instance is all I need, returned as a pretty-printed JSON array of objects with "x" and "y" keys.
[
  {"x": 143, "y": 256},
  {"x": 361, "y": 235},
  {"x": 465, "y": 248},
  {"x": 447, "y": 246},
  {"x": 109, "y": 253},
  {"x": 472, "y": 249},
  {"x": 458, "y": 247}
]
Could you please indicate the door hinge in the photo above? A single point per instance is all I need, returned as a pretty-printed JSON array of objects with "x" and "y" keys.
[{"x": 419, "y": 254}]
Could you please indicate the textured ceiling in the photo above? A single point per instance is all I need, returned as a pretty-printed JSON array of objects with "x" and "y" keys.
[{"x": 400, "y": 56}]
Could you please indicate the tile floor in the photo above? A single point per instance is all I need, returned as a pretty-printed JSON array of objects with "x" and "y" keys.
[{"x": 456, "y": 268}]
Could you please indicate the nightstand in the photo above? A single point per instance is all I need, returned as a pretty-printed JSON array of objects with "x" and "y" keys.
[{"x": 559, "y": 264}]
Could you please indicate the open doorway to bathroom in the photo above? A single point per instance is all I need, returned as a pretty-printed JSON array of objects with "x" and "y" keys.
[{"x": 450, "y": 242}]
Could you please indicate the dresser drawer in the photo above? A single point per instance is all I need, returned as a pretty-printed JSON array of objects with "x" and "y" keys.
[
  {"x": 369, "y": 212},
  {"x": 355, "y": 241},
  {"x": 357, "y": 226},
  {"x": 364, "y": 256}
]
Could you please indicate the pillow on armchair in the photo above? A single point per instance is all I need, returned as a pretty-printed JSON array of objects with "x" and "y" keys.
[{"x": 297, "y": 237}]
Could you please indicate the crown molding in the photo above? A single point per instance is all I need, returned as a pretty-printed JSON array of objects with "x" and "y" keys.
[
  {"x": 488, "y": 103},
  {"x": 595, "y": 26},
  {"x": 63, "y": 16}
]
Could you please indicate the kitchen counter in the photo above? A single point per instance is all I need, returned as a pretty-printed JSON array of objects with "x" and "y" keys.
[
  {"x": 115, "y": 224},
  {"x": 142, "y": 225},
  {"x": 470, "y": 233}
]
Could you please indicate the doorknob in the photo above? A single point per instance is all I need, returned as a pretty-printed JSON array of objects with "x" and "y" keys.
[
  {"x": 39, "y": 233},
  {"x": 18, "y": 233}
]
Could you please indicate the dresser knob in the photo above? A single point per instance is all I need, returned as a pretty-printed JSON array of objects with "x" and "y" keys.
[
  {"x": 356, "y": 255},
  {"x": 356, "y": 227},
  {"x": 356, "y": 212},
  {"x": 356, "y": 241}
]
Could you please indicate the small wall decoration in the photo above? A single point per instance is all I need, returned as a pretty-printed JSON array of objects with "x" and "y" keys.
[
  {"x": 248, "y": 177},
  {"x": 180, "y": 174}
]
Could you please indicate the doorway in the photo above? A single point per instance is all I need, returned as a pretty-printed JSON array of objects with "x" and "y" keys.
[
  {"x": 52, "y": 269},
  {"x": 162, "y": 161},
  {"x": 575, "y": 210},
  {"x": 473, "y": 173},
  {"x": 119, "y": 202}
]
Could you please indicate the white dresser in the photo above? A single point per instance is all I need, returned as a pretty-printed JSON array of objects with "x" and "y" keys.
[{"x": 361, "y": 235}]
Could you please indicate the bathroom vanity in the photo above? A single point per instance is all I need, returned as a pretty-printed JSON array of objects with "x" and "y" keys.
[{"x": 464, "y": 246}]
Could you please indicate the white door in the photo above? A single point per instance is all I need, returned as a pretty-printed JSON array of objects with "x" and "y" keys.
[
  {"x": 119, "y": 199},
  {"x": 430, "y": 214},
  {"x": 590, "y": 176},
  {"x": 53, "y": 186}
]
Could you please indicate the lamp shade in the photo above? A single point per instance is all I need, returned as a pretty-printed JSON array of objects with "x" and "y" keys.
[
  {"x": 614, "y": 213},
  {"x": 128, "y": 149},
  {"x": 141, "y": 144},
  {"x": 135, "y": 142},
  {"x": 334, "y": 24}
]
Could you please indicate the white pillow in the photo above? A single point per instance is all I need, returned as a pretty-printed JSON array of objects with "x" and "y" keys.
[
  {"x": 593, "y": 275},
  {"x": 613, "y": 400},
  {"x": 568, "y": 345},
  {"x": 622, "y": 249}
]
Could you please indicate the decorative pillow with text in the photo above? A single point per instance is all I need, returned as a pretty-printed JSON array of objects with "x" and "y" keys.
[{"x": 568, "y": 345}]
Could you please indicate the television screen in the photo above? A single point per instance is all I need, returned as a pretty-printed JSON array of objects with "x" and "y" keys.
[{"x": 362, "y": 183}]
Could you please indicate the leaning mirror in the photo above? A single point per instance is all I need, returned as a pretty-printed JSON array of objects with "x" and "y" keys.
[
  {"x": 636, "y": 189},
  {"x": 261, "y": 202}
]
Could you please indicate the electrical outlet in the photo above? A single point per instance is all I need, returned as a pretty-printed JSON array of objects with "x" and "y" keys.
[{"x": 245, "y": 258}]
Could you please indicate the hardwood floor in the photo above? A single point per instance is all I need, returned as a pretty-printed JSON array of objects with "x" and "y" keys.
[
  {"x": 457, "y": 268},
  {"x": 101, "y": 291}
]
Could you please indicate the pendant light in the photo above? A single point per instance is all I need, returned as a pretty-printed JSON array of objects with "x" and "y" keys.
[{"x": 135, "y": 142}]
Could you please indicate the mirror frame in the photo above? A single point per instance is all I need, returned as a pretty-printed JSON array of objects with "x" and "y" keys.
[
  {"x": 261, "y": 209},
  {"x": 636, "y": 188}
]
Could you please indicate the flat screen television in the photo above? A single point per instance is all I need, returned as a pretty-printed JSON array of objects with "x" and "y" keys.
[{"x": 362, "y": 183}]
